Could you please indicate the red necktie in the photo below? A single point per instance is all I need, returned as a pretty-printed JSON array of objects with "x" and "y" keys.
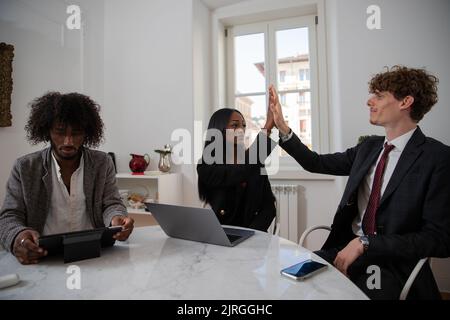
[{"x": 368, "y": 222}]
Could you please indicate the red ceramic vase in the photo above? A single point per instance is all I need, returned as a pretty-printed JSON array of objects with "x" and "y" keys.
[{"x": 139, "y": 163}]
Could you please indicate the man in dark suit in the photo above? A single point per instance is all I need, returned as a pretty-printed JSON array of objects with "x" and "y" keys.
[{"x": 395, "y": 208}]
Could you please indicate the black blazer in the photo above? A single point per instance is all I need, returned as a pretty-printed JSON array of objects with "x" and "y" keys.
[
  {"x": 413, "y": 219},
  {"x": 238, "y": 193}
]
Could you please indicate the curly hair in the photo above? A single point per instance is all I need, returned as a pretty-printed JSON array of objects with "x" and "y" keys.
[
  {"x": 401, "y": 81},
  {"x": 72, "y": 109}
]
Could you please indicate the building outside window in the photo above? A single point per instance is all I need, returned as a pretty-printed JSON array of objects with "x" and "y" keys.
[{"x": 275, "y": 52}]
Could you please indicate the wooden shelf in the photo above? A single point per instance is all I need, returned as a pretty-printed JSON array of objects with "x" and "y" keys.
[
  {"x": 142, "y": 218},
  {"x": 159, "y": 186},
  {"x": 153, "y": 175},
  {"x": 137, "y": 211}
]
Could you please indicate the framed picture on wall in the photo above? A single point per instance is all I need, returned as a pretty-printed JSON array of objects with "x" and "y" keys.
[{"x": 6, "y": 83}]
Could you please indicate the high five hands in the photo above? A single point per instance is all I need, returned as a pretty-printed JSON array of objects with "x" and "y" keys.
[{"x": 275, "y": 114}]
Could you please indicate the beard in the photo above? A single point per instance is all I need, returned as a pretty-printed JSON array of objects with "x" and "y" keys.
[{"x": 66, "y": 152}]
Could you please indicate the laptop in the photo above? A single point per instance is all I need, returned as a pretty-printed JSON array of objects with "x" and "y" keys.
[{"x": 196, "y": 224}]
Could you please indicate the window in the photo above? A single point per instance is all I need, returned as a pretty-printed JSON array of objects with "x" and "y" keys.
[
  {"x": 303, "y": 74},
  {"x": 282, "y": 76},
  {"x": 282, "y": 53},
  {"x": 301, "y": 98},
  {"x": 303, "y": 126},
  {"x": 283, "y": 99}
]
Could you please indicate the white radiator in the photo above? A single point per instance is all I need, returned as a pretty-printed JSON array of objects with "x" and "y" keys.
[{"x": 287, "y": 211}]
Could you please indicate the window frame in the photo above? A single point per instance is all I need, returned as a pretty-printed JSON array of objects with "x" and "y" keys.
[{"x": 269, "y": 29}]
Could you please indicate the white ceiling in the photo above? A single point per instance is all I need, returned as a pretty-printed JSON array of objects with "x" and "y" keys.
[{"x": 214, "y": 4}]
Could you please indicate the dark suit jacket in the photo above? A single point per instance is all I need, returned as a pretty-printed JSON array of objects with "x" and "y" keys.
[
  {"x": 240, "y": 194},
  {"x": 413, "y": 219}
]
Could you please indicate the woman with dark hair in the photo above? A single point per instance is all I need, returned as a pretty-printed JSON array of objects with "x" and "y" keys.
[{"x": 237, "y": 188}]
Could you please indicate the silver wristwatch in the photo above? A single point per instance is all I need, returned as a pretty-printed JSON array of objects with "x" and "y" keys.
[
  {"x": 365, "y": 242},
  {"x": 287, "y": 136}
]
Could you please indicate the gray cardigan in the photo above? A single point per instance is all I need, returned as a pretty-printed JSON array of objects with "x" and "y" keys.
[{"x": 28, "y": 193}]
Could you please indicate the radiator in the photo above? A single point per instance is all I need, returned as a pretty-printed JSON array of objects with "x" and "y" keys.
[{"x": 287, "y": 211}]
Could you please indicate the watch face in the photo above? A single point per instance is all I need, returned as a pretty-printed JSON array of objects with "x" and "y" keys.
[{"x": 365, "y": 242}]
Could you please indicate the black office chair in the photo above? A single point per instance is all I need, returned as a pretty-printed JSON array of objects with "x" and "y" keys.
[
  {"x": 113, "y": 157},
  {"x": 408, "y": 283}
]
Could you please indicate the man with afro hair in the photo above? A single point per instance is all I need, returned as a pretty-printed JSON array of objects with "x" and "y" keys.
[{"x": 65, "y": 187}]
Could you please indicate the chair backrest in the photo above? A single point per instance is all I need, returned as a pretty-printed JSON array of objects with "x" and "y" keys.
[
  {"x": 274, "y": 227},
  {"x": 113, "y": 157},
  {"x": 309, "y": 230},
  {"x": 409, "y": 281},
  {"x": 411, "y": 278}
]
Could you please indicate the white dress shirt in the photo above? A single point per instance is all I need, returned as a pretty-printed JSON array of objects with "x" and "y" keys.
[
  {"x": 366, "y": 186},
  {"x": 67, "y": 211}
]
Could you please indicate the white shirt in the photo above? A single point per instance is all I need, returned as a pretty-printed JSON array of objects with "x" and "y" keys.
[
  {"x": 67, "y": 212},
  {"x": 366, "y": 186}
]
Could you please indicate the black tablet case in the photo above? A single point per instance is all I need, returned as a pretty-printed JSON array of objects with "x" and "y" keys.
[{"x": 78, "y": 245}]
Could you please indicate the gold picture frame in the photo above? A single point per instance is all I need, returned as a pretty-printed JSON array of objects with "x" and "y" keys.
[{"x": 6, "y": 83}]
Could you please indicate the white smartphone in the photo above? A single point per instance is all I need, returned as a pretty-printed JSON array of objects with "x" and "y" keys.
[{"x": 303, "y": 270}]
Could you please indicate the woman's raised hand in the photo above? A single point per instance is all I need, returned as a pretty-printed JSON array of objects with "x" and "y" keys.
[{"x": 277, "y": 113}]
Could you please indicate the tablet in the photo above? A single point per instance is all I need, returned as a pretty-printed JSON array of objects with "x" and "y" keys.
[{"x": 54, "y": 243}]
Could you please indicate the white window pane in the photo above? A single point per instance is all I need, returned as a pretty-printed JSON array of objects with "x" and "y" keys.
[
  {"x": 249, "y": 63},
  {"x": 253, "y": 108},
  {"x": 293, "y": 59},
  {"x": 297, "y": 113},
  {"x": 282, "y": 76}
]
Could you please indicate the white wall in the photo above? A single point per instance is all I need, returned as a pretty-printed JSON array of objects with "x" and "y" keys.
[
  {"x": 47, "y": 56},
  {"x": 201, "y": 62},
  {"x": 93, "y": 19},
  {"x": 201, "y": 79},
  {"x": 414, "y": 33},
  {"x": 148, "y": 77}
]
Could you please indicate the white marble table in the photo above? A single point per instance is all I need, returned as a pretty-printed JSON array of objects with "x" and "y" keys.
[{"x": 152, "y": 266}]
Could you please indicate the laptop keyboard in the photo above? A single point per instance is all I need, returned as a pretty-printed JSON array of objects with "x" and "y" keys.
[{"x": 232, "y": 237}]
